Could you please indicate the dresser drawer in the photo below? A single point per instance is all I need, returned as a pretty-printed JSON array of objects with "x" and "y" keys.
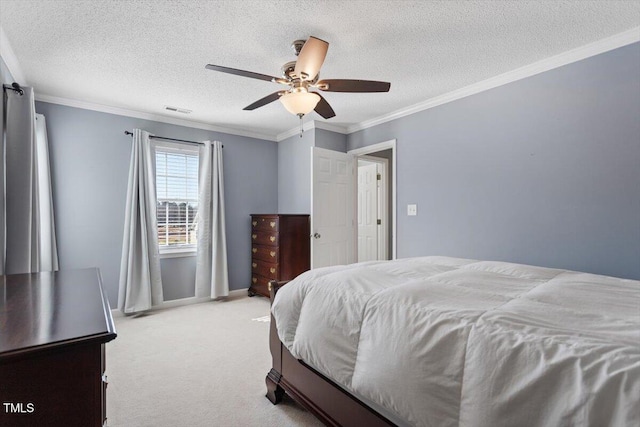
[
  {"x": 265, "y": 269},
  {"x": 260, "y": 284},
  {"x": 265, "y": 223},
  {"x": 265, "y": 253},
  {"x": 265, "y": 238}
]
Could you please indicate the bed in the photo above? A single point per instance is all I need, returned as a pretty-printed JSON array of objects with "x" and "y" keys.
[{"x": 441, "y": 341}]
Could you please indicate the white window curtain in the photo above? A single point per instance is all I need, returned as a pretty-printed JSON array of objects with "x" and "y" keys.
[
  {"x": 27, "y": 227},
  {"x": 212, "y": 277},
  {"x": 140, "y": 280}
]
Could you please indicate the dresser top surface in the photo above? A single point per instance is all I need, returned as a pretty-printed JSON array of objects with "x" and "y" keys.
[{"x": 42, "y": 310}]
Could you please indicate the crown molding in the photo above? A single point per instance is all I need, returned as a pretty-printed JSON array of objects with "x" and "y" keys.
[
  {"x": 604, "y": 45},
  {"x": 150, "y": 116},
  {"x": 311, "y": 124},
  {"x": 330, "y": 127},
  {"x": 10, "y": 59}
]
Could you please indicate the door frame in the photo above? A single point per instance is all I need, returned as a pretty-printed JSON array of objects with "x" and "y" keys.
[{"x": 374, "y": 148}]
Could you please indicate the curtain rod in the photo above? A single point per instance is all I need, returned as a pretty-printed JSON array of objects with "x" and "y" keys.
[
  {"x": 126, "y": 132},
  {"x": 14, "y": 87}
]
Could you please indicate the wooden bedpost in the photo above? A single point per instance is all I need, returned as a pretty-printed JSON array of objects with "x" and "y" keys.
[{"x": 274, "y": 391}]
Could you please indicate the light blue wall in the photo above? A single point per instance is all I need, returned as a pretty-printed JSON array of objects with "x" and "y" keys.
[
  {"x": 179, "y": 277},
  {"x": 294, "y": 174},
  {"x": 90, "y": 161},
  {"x": 330, "y": 140},
  {"x": 545, "y": 170}
]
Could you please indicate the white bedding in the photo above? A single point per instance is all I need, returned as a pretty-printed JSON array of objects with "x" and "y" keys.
[{"x": 439, "y": 341}]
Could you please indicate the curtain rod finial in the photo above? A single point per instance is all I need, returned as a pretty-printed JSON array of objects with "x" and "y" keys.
[{"x": 17, "y": 88}]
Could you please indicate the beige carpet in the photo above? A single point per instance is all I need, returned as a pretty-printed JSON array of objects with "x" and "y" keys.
[{"x": 197, "y": 365}]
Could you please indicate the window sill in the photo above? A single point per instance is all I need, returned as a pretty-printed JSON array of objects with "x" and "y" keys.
[{"x": 177, "y": 252}]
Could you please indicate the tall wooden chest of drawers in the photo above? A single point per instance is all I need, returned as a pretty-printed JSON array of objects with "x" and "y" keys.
[{"x": 280, "y": 249}]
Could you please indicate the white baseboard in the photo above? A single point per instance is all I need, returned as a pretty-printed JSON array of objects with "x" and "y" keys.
[{"x": 185, "y": 301}]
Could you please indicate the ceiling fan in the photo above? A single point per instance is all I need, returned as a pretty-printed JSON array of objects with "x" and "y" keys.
[{"x": 301, "y": 76}]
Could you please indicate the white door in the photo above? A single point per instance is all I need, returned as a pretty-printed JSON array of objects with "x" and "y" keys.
[
  {"x": 367, "y": 211},
  {"x": 332, "y": 208}
]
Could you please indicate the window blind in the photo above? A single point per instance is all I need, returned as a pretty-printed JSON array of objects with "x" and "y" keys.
[{"x": 177, "y": 197}]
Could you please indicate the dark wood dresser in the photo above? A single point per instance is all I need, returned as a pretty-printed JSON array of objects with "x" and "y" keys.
[
  {"x": 280, "y": 249},
  {"x": 53, "y": 330}
]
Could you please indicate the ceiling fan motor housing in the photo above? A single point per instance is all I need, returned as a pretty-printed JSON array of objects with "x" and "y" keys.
[
  {"x": 287, "y": 69},
  {"x": 287, "y": 72}
]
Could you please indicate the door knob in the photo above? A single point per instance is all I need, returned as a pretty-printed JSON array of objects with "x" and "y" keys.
[{"x": 316, "y": 235}]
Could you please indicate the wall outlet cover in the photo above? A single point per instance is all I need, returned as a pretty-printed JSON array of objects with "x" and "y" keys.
[{"x": 412, "y": 210}]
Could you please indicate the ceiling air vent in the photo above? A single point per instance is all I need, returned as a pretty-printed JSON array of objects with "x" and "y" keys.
[{"x": 177, "y": 110}]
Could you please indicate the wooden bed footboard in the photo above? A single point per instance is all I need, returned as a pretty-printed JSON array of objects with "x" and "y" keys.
[{"x": 317, "y": 393}]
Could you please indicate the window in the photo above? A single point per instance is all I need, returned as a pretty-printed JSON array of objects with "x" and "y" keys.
[{"x": 177, "y": 197}]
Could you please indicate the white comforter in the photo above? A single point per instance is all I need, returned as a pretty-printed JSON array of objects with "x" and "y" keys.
[{"x": 438, "y": 341}]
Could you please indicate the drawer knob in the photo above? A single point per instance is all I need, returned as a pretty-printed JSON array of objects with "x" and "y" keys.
[
  {"x": 272, "y": 224},
  {"x": 254, "y": 280},
  {"x": 254, "y": 265},
  {"x": 272, "y": 270},
  {"x": 254, "y": 236},
  {"x": 272, "y": 238},
  {"x": 273, "y": 254},
  {"x": 254, "y": 250},
  {"x": 254, "y": 223}
]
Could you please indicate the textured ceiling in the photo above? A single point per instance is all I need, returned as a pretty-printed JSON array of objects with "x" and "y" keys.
[{"x": 145, "y": 54}]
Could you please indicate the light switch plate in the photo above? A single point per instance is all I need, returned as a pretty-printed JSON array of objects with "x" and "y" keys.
[{"x": 412, "y": 210}]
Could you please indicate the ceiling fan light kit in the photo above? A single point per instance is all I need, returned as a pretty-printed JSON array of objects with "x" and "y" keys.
[
  {"x": 300, "y": 103},
  {"x": 302, "y": 75}
]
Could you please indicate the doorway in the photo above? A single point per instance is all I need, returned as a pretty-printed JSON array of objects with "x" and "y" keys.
[
  {"x": 372, "y": 208},
  {"x": 376, "y": 201}
]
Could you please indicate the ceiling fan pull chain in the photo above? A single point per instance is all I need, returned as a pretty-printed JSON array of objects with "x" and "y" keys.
[{"x": 301, "y": 128}]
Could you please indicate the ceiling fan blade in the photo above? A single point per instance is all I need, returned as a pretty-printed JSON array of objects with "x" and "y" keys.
[
  {"x": 266, "y": 100},
  {"x": 323, "y": 108},
  {"x": 343, "y": 85},
  {"x": 311, "y": 58},
  {"x": 242, "y": 73}
]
